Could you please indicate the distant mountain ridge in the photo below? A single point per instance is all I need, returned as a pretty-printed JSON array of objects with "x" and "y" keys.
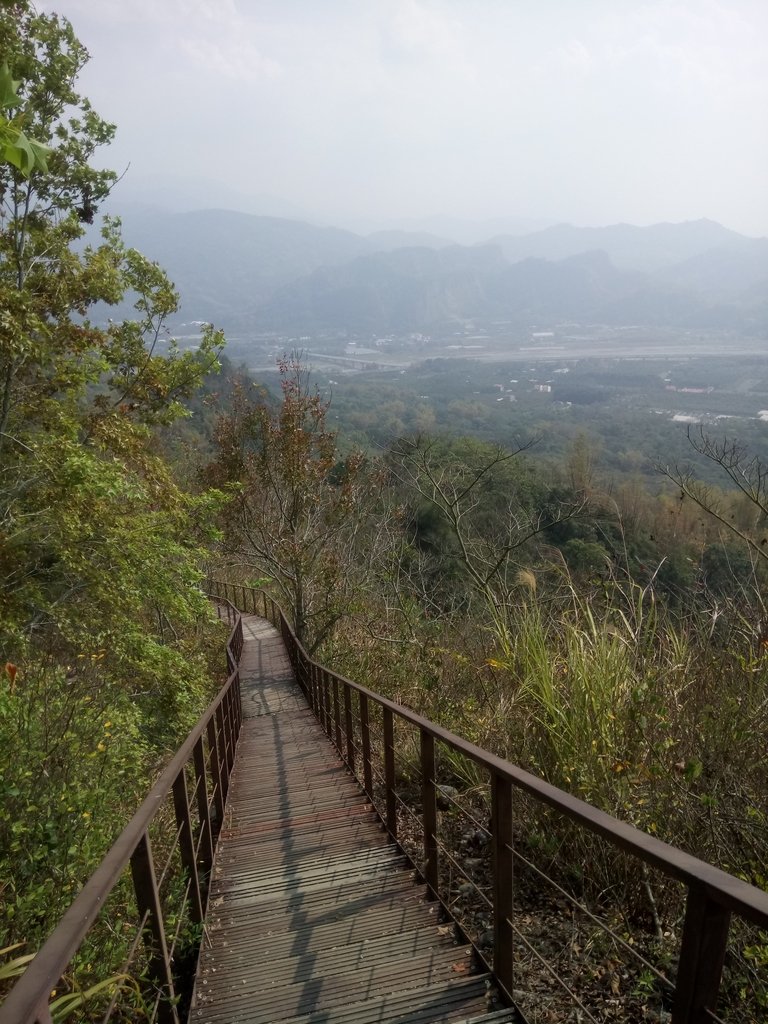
[
  {"x": 225, "y": 263},
  {"x": 248, "y": 271},
  {"x": 629, "y": 247},
  {"x": 420, "y": 289}
]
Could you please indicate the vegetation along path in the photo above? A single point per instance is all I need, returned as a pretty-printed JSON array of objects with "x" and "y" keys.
[{"x": 313, "y": 915}]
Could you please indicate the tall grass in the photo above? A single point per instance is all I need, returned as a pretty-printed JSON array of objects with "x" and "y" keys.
[
  {"x": 638, "y": 709},
  {"x": 581, "y": 669},
  {"x": 654, "y": 712},
  {"x": 656, "y": 715}
]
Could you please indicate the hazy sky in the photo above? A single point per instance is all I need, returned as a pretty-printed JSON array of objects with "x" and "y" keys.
[{"x": 376, "y": 111}]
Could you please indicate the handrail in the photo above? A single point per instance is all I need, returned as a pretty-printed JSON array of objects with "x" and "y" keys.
[
  {"x": 712, "y": 894},
  {"x": 27, "y": 1002}
]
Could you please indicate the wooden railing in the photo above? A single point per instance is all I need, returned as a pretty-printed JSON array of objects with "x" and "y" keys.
[
  {"x": 169, "y": 889},
  {"x": 363, "y": 725},
  {"x": 374, "y": 736}
]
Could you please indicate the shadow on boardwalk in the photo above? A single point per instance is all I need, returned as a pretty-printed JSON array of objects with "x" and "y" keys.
[{"x": 313, "y": 915}]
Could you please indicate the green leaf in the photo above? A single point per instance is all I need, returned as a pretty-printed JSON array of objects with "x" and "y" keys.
[
  {"x": 20, "y": 151},
  {"x": 693, "y": 770},
  {"x": 8, "y": 88}
]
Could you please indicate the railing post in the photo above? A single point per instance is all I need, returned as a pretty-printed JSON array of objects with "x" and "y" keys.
[
  {"x": 365, "y": 735},
  {"x": 223, "y": 721},
  {"x": 148, "y": 902},
  {"x": 702, "y": 953},
  {"x": 337, "y": 713},
  {"x": 320, "y": 695},
  {"x": 309, "y": 685},
  {"x": 327, "y": 714},
  {"x": 503, "y": 881},
  {"x": 215, "y": 766},
  {"x": 187, "y": 845},
  {"x": 205, "y": 853},
  {"x": 226, "y": 710},
  {"x": 232, "y": 715},
  {"x": 238, "y": 705},
  {"x": 389, "y": 771},
  {"x": 316, "y": 673},
  {"x": 301, "y": 675},
  {"x": 429, "y": 811},
  {"x": 349, "y": 728},
  {"x": 313, "y": 689}
]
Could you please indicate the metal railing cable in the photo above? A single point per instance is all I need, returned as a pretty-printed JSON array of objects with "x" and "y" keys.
[
  {"x": 596, "y": 920},
  {"x": 208, "y": 751},
  {"x": 713, "y": 896},
  {"x": 551, "y": 971}
]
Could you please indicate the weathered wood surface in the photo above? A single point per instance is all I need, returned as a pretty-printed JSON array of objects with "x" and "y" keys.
[{"x": 314, "y": 916}]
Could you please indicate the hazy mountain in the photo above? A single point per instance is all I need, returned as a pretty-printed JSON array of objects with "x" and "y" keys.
[
  {"x": 390, "y": 291},
  {"x": 226, "y": 263},
  {"x": 242, "y": 271},
  {"x": 386, "y": 241},
  {"x": 420, "y": 289},
  {"x": 629, "y": 247},
  {"x": 474, "y": 232},
  {"x": 728, "y": 270}
]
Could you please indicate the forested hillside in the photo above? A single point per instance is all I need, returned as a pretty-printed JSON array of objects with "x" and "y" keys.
[
  {"x": 607, "y": 635},
  {"x": 104, "y": 629},
  {"x": 604, "y": 636}
]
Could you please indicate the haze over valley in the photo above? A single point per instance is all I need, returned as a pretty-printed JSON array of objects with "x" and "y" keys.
[
  {"x": 389, "y": 183},
  {"x": 436, "y": 332},
  {"x": 253, "y": 274},
  {"x": 624, "y": 331}
]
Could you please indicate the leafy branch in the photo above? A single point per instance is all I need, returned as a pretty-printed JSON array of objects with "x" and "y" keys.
[{"x": 16, "y": 148}]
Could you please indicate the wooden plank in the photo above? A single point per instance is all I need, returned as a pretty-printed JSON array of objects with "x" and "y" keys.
[{"x": 313, "y": 913}]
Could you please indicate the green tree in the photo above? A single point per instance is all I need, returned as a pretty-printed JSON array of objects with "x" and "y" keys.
[
  {"x": 100, "y": 548},
  {"x": 76, "y": 400}
]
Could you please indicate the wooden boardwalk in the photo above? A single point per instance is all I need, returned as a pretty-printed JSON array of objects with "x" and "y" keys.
[{"x": 314, "y": 917}]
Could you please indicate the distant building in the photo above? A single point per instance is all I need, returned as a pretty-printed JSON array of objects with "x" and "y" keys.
[{"x": 689, "y": 391}]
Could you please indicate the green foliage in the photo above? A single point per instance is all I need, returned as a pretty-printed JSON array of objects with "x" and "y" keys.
[
  {"x": 613, "y": 642},
  {"x": 103, "y": 625},
  {"x": 581, "y": 673},
  {"x": 85, "y": 745},
  {"x": 603, "y": 654},
  {"x": 63, "y": 1006},
  {"x": 16, "y": 148},
  {"x": 756, "y": 956},
  {"x": 47, "y": 57}
]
